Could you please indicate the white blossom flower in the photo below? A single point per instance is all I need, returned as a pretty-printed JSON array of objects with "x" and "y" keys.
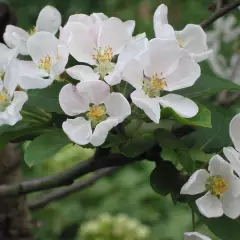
[
  {"x": 163, "y": 66},
  {"x": 221, "y": 185},
  {"x": 50, "y": 57},
  {"x": 233, "y": 154},
  {"x": 49, "y": 20},
  {"x": 98, "y": 51},
  {"x": 195, "y": 236},
  {"x": 101, "y": 111},
  {"x": 11, "y": 100},
  {"x": 192, "y": 38}
]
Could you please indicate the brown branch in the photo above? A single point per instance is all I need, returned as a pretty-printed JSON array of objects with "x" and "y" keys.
[
  {"x": 221, "y": 12},
  {"x": 68, "y": 176},
  {"x": 65, "y": 191}
]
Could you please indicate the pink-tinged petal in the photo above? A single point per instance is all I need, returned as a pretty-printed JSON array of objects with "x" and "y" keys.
[
  {"x": 78, "y": 130},
  {"x": 113, "y": 33},
  {"x": 196, "y": 183},
  {"x": 210, "y": 206},
  {"x": 184, "y": 107},
  {"x": 49, "y": 20},
  {"x": 117, "y": 106},
  {"x": 71, "y": 102},
  {"x": 95, "y": 91},
  {"x": 149, "y": 105},
  {"x": 82, "y": 73},
  {"x": 234, "y": 131},
  {"x": 101, "y": 131}
]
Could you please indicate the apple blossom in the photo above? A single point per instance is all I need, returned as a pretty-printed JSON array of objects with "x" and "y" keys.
[
  {"x": 11, "y": 101},
  {"x": 192, "y": 38},
  {"x": 49, "y": 20},
  {"x": 99, "y": 51},
  {"x": 221, "y": 185},
  {"x": 50, "y": 57},
  {"x": 163, "y": 66},
  {"x": 195, "y": 236},
  {"x": 101, "y": 111}
]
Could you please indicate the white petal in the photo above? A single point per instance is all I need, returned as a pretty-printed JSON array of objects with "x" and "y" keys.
[
  {"x": 233, "y": 185},
  {"x": 184, "y": 107},
  {"x": 219, "y": 167},
  {"x": 95, "y": 91},
  {"x": 209, "y": 206},
  {"x": 11, "y": 78},
  {"x": 78, "y": 130},
  {"x": 49, "y": 20},
  {"x": 82, "y": 73},
  {"x": 42, "y": 44},
  {"x": 81, "y": 18},
  {"x": 198, "y": 57},
  {"x": 231, "y": 206},
  {"x": 133, "y": 74},
  {"x": 96, "y": 17},
  {"x": 160, "y": 15},
  {"x": 113, "y": 33},
  {"x": 34, "y": 82},
  {"x": 130, "y": 25},
  {"x": 117, "y": 106},
  {"x": 185, "y": 75},
  {"x": 163, "y": 56},
  {"x": 115, "y": 76},
  {"x": 71, "y": 102},
  {"x": 194, "y": 38},
  {"x": 165, "y": 31},
  {"x": 101, "y": 131},
  {"x": 234, "y": 131},
  {"x": 150, "y": 106},
  {"x": 196, "y": 183},
  {"x": 79, "y": 41},
  {"x": 233, "y": 157},
  {"x": 195, "y": 236}
]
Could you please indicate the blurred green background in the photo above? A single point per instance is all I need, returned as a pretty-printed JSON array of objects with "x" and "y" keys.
[{"x": 128, "y": 191}]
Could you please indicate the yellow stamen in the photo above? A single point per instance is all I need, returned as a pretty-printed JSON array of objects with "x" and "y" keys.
[
  {"x": 2, "y": 98},
  {"x": 218, "y": 186},
  {"x": 158, "y": 83},
  {"x": 180, "y": 41},
  {"x": 45, "y": 63},
  {"x": 32, "y": 31},
  {"x": 103, "y": 54},
  {"x": 95, "y": 113}
]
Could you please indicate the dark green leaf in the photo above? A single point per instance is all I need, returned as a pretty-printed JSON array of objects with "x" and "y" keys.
[{"x": 45, "y": 146}]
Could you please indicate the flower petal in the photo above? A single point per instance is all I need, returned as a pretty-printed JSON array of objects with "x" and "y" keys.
[
  {"x": 233, "y": 185},
  {"x": 78, "y": 130},
  {"x": 185, "y": 75},
  {"x": 130, "y": 25},
  {"x": 209, "y": 206},
  {"x": 165, "y": 31},
  {"x": 160, "y": 16},
  {"x": 113, "y": 33},
  {"x": 184, "y": 107},
  {"x": 49, "y": 20},
  {"x": 117, "y": 106},
  {"x": 163, "y": 57},
  {"x": 71, "y": 102},
  {"x": 81, "y": 18},
  {"x": 233, "y": 157},
  {"x": 34, "y": 82},
  {"x": 196, "y": 183},
  {"x": 195, "y": 236},
  {"x": 234, "y": 131},
  {"x": 82, "y": 73},
  {"x": 231, "y": 206},
  {"x": 115, "y": 76},
  {"x": 198, "y": 57},
  {"x": 42, "y": 44},
  {"x": 79, "y": 41},
  {"x": 150, "y": 106},
  {"x": 95, "y": 91},
  {"x": 101, "y": 131},
  {"x": 133, "y": 74}
]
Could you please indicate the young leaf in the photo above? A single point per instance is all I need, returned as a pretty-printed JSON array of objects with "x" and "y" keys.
[{"x": 45, "y": 146}]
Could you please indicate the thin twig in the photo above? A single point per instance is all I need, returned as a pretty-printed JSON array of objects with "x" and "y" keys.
[
  {"x": 193, "y": 220},
  {"x": 68, "y": 176},
  {"x": 219, "y": 4},
  {"x": 220, "y": 13},
  {"x": 65, "y": 191}
]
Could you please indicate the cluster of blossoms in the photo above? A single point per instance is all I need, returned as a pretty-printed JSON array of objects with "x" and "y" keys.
[{"x": 107, "y": 227}]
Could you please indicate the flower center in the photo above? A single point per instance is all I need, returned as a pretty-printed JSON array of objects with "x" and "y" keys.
[
  {"x": 5, "y": 100},
  {"x": 103, "y": 54},
  {"x": 32, "y": 31},
  {"x": 180, "y": 41},
  {"x": 45, "y": 63},
  {"x": 217, "y": 186},
  {"x": 96, "y": 113},
  {"x": 157, "y": 82}
]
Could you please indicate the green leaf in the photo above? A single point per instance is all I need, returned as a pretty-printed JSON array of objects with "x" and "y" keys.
[
  {"x": 208, "y": 85},
  {"x": 47, "y": 98},
  {"x": 45, "y": 146},
  {"x": 202, "y": 119}
]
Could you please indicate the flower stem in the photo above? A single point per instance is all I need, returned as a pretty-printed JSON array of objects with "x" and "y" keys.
[{"x": 193, "y": 220}]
